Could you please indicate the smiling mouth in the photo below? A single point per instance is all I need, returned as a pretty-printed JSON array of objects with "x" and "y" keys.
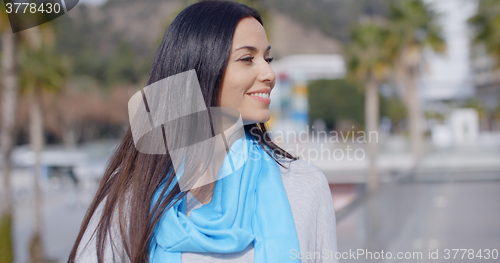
[{"x": 260, "y": 95}]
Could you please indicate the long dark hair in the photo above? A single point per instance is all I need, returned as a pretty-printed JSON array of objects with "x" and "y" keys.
[{"x": 199, "y": 38}]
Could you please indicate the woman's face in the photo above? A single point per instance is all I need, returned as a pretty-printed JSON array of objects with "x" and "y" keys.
[{"x": 248, "y": 79}]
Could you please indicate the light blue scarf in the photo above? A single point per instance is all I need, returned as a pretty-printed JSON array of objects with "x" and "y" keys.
[{"x": 248, "y": 205}]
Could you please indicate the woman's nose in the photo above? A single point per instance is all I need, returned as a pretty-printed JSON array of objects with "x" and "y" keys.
[{"x": 267, "y": 74}]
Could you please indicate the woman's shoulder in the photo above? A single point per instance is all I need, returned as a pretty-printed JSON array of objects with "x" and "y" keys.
[
  {"x": 303, "y": 178},
  {"x": 312, "y": 206},
  {"x": 300, "y": 168}
]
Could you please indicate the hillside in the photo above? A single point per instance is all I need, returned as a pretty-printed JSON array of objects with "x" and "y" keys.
[
  {"x": 116, "y": 42},
  {"x": 142, "y": 23}
]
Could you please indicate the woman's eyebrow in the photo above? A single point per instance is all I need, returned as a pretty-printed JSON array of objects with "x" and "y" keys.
[{"x": 251, "y": 48}]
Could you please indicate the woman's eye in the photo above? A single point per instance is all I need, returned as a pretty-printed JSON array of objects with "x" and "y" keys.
[
  {"x": 246, "y": 59},
  {"x": 250, "y": 58}
]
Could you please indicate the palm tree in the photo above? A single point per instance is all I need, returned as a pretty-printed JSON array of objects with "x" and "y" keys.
[
  {"x": 9, "y": 105},
  {"x": 486, "y": 23},
  {"x": 370, "y": 57},
  {"x": 415, "y": 25},
  {"x": 42, "y": 70}
]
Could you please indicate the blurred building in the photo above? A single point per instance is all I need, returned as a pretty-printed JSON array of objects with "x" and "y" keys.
[
  {"x": 487, "y": 82},
  {"x": 465, "y": 73},
  {"x": 289, "y": 106},
  {"x": 447, "y": 76},
  {"x": 461, "y": 128}
]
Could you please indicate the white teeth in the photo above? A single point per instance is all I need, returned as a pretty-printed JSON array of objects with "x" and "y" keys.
[{"x": 262, "y": 95}]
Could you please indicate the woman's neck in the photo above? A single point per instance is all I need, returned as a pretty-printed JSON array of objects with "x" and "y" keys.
[
  {"x": 204, "y": 187},
  {"x": 203, "y": 193}
]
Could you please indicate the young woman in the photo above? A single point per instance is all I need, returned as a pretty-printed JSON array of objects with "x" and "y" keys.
[{"x": 274, "y": 208}]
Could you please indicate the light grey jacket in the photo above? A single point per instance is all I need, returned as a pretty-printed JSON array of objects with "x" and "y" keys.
[{"x": 313, "y": 212}]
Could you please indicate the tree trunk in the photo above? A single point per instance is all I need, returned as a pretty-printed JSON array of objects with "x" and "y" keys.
[
  {"x": 37, "y": 141},
  {"x": 69, "y": 135},
  {"x": 371, "y": 120},
  {"x": 7, "y": 138},
  {"x": 414, "y": 117}
]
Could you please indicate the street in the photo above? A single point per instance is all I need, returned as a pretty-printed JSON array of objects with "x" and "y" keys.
[{"x": 423, "y": 217}]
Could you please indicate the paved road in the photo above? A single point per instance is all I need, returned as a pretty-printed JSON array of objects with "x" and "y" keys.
[
  {"x": 63, "y": 210},
  {"x": 402, "y": 217},
  {"x": 425, "y": 217}
]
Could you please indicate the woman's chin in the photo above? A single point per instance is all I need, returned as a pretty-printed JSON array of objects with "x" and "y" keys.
[{"x": 256, "y": 120}]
